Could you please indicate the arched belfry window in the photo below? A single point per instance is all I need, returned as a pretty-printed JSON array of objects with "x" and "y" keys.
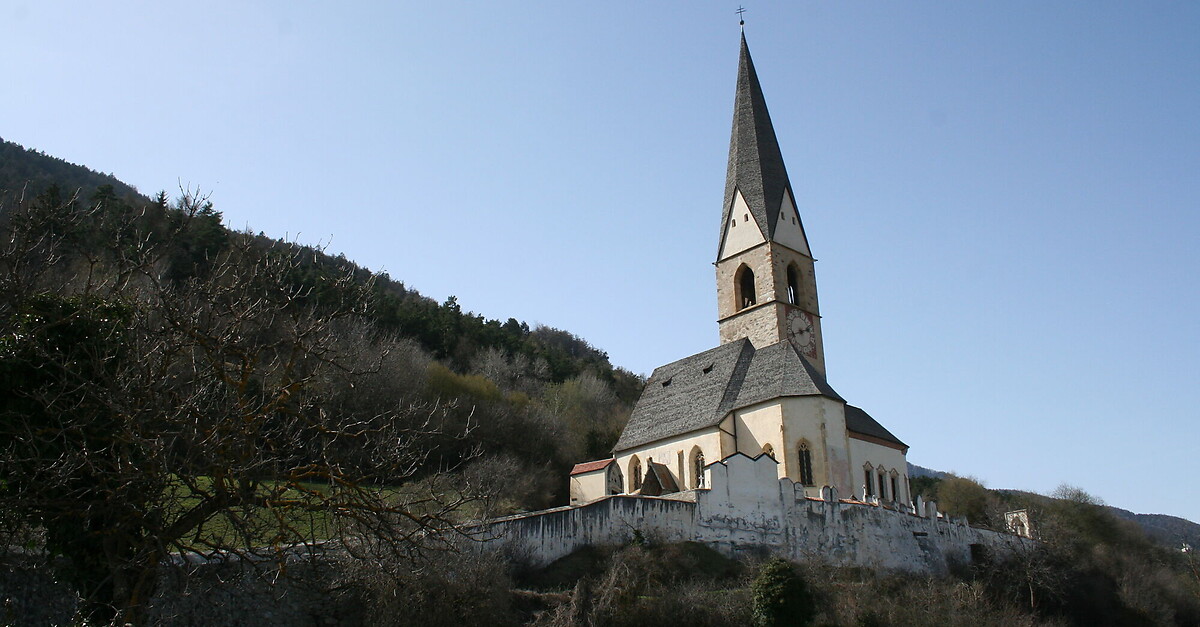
[
  {"x": 635, "y": 474},
  {"x": 745, "y": 293},
  {"x": 806, "y": 472},
  {"x": 793, "y": 284},
  {"x": 769, "y": 450},
  {"x": 697, "y": 467}
]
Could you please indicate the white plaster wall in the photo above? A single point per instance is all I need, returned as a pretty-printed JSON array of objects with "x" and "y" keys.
[
  {"x": 742, "y": 508},
  {"x": 749, "y": 509},
  {"x": 821, "y": 421},
  {"x": 885, "y": 539},
  {"x": 741, "y": 232},
  {"x": 862, "y": 452},
  {"x": 588, "y": 486},
  {"x": 758, "y": 426},
  {"x": 728, "y": 437},
  {"x": 789, "y": 231},
  {"x": 784, "y": 422},
  {"x": 542, "y": 537},
  {"x": 667, "y": 452}
]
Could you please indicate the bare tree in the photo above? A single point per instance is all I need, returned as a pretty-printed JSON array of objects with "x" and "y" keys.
[{"x": 221, "y": 413}]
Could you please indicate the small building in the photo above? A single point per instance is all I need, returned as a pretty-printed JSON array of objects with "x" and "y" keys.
[{"x": 591, "y": 480}]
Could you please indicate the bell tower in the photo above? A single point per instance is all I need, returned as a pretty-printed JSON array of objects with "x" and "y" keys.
[{"x": 766, "y": 285}]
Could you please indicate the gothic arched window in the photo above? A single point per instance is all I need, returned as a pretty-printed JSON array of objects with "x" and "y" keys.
[
  {"x": 868, "y": 481},
  {"x": 745, "y": 293},
  {"x": 793, "y": 284},
  {"x": 806, "y": 473},
  {"x": 769, "y": 450},
  {"x": 635, "y": 474},
  {"x": 882, "y": 484},
  {"x": 697, "y": 467}
]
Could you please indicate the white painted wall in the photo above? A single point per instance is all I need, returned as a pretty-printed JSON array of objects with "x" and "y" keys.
[
  {"x": 789, "y": 231},
  {"x": 863, "y": 452},
  {"x": 669, "y": 452},
  {"x": 588, "y": 486},
  {"x": 749, "y": 509},
  {"x": 784, "y": 422},
  {"x": 758, "y": 426},
  {"x": 741, "y": 232}
]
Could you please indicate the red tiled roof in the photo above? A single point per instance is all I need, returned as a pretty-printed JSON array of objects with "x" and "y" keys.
[{"x": 590, "y": 466}]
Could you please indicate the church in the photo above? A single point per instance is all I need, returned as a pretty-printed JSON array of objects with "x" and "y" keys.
[{"x": 764, "y": 390}]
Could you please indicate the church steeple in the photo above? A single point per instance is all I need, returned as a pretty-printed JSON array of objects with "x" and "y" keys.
[
  {"x": 756, "y": 171},
  {"x": 766, "y": 287}
]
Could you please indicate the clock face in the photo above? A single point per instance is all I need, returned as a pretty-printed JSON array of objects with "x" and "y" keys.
[{"x": 801, "y": 331}]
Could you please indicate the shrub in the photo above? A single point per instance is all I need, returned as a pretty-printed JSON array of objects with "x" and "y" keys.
[{"x": 780, "y": 596}]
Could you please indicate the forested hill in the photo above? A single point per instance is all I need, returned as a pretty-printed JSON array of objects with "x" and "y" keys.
[
  {"x": 451, "y": 334},
  {"x": 538, "y": 397},
  {"x": 1171, "y": 532},
  {"x": 34, "y": 171}
]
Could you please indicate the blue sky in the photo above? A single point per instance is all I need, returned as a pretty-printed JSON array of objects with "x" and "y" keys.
[{"x": 1003, "y": 197}]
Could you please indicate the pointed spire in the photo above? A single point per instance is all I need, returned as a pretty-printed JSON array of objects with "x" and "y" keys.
[{"x": 755, "y": 162}]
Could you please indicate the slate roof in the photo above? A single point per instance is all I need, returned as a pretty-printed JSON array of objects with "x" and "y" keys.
[
  {"x": 699, "y": 391},
  {"x": 780, "y": 370},
  {"x": 861, "y": 422},
  {"x": 755, "y": 161},
  {"x": 599, "y": 464}
]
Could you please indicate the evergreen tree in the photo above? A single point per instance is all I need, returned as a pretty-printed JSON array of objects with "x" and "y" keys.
[{"x": 780, "y": 596}]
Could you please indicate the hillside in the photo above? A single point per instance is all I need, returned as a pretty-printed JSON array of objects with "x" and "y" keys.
[
  {"x": 451, "y": 335},
  {"x": 511, "y": 355},
  {"x": 175, "y": 383},
  {"x": 32, "y": 172},
  {"x": 1169, "y": 531}
]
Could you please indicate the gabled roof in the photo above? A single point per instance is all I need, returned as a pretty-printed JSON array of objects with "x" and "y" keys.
[
  {"x": 699, "y": 391},
  {"x": 599, "y": 464},
  {"x": 658, "y": 481},
  {"x": 755, "y": 161},
  {"x": 860, "y": 422}
]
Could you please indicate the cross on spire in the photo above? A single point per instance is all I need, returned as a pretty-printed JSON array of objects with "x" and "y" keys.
[{"x": 741, "y": 17}]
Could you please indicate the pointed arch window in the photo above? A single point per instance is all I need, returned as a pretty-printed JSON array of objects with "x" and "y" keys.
[
  {"x": 769, "y": 450},
  {"x": 868, "y": 481},
  {"x": 697, "y": 467},
  {"x": 806, "y": 471},
  {"x": 745, "y": 292},
  {"x": 793, "y": 284},
  {"x": 635, "y": 474}
]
